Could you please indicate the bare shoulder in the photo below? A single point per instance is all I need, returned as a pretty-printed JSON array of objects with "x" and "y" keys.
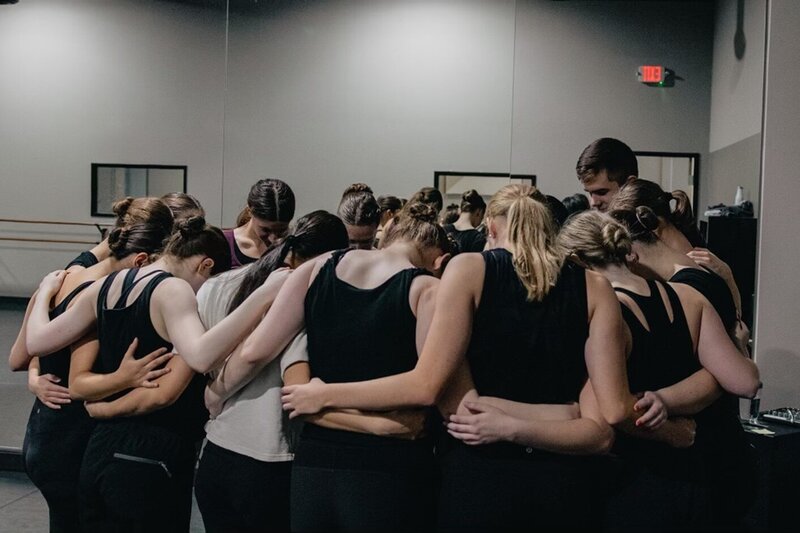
[
  {"x": 598, "y": 286},
  {"x": 174, "y": 290},
  {"x": 466, "y": 260},
  {"x": 688, "y": 295}
]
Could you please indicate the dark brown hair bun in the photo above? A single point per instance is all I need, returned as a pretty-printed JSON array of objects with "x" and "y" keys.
[
  {"x": 357, "y": 187},
  {"x": 422, "y": 212},
  {"x": 121, "y": 207},
  {"x": 191, "y": 226}
]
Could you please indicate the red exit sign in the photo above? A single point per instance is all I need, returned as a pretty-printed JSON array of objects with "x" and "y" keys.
[{"x": 651, "y": 74}]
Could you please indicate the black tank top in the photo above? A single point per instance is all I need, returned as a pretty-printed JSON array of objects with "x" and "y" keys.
[
  {"x": 359, "y": 334},
  {"x": 118, "y": 325},
  {"x": 719, "y": 432},
  {"x": 660, "y": 357},
  {"x": 470, "y": 240},
  {"x": 530, "y": 352},
  {"x": 57, "y": 363}
]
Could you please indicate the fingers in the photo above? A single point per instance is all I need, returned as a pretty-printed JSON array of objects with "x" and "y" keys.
[
  {"x": 463, "y": 419},
  {"x": 158, "y": 358},
  {"x": 462, "y": 428},
  {"x": 131, "y": 349},
  {"x": 466, "y": 438},
  {"x": 50, "y": 404},
  {"x": 155, "y": 374},
  {"x": 51, "y": 378}
]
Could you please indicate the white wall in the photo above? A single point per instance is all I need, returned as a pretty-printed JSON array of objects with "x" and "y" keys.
[
  {"x": 96, "y": 81},
  {"x": 736, "y": 104},
  {"x": 778, "y": 339},
  {"x": 330, "y": 93},
  {"x": 575, "y": 81}
]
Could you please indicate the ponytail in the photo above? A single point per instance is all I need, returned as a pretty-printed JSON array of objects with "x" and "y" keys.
[
  {"x": 531, "y": 237},
  {"x": 315, "y": 233}
]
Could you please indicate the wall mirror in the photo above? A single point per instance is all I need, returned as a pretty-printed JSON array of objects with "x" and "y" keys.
[
  {"x": 112, "y": 182},
  {"x": 453, "y": 185}
]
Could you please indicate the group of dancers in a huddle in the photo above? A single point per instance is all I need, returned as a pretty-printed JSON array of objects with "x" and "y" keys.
[{"x": 378, "y": 370}]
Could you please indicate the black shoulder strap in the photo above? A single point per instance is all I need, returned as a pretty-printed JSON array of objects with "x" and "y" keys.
[
  {"x": 103, "y": 296},
  {"x": 338, "y": 254},
  {"x": 143, "y": 299},
  {"x": 652, "y": 307},
  {"x": 129, "y": 283},
  {"x": 77, "y": 290}
]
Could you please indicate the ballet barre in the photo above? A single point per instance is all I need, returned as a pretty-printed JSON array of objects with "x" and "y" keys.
[{"x": 101, "y": 227}]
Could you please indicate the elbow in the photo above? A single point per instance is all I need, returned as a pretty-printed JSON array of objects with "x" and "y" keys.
[
  {"x": 427, "y": 394},
  {"x": 16, "y": 364},
  {"x": 753, "y": 386},
  {"x": 616, "y": 414},
  {"x": 200, "y": 367},
  {"x": 604, "y": 442}
]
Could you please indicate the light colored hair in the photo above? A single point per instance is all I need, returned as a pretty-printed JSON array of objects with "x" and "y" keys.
[
  {"x": 595, "y": 239},
  {"x": 531, "y": 237}
]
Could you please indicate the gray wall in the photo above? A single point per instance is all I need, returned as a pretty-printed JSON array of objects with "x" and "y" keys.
[
  {"x": 327, "y": 93},
  {"x": 332, "y": 93},
  {"x": 108, "y": 82},
  {"x": 575, "y": 81},
  {"x": 736, "y": 105},
  {"x": 778, "y": 338}
]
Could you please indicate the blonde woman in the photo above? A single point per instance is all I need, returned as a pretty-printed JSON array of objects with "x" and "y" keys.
[
  {"x": 532, "y": 328},
  {"x": 678, "y": 357}
]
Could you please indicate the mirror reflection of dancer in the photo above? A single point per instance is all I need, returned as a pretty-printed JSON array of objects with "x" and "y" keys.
[
  {"x": 366, "y": 314},
  {"x": 265, "y": 219},
  {"x": 679, "y": 356},
  {"x": 139, "y": 461},
  {"x": 58, "y": 428}
]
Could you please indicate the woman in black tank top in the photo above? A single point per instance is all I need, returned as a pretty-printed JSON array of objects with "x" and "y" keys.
[
  {"x": 162, "y": 424},
  {"x": 721, "y": 437},
  {"x": 366, "y": 314},
  {"x": 497, "y": 485},
  {"x": 58, "y": 429},
  {"x": 662, "y": 486}
]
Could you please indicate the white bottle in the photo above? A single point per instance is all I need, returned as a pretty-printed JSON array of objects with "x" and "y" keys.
[{"x": 739, "y": 199}]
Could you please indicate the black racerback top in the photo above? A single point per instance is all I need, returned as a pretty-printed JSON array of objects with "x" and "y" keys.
[
  {"x": 470, "y": 240},
  {"x": 359, "y": 334},
  {"x": 530, "y": 352},
  {"x": 660, "y": 357},
  {"x": 57, "y": 363},
  {"x": 118, "y": 325}
]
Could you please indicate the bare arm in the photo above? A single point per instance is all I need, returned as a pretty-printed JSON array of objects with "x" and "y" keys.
[
  {"x": 205, "y": 350},
  {"x": 44, "y": 336},
  {"x": 46, "y": 387},
  {"x": 444, "y": 348},
  {"x": 691, "y": 395},
  {"x": 539, "y": 411},
  {"x": 717, "y": 353},
  {"x": 19, "y": 358},
  {"x": 284, "y": 320},
  {"x": 589, "y": 434},
  {"x": 141, "y": 400},
  {"x": 407, "y": 423}
]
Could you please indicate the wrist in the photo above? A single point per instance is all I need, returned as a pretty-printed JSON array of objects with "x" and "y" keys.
[{"x": 514, "y": 430}]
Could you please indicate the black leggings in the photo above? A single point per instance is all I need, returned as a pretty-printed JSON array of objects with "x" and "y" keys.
[
  {"x": 55, "y": 441},
  {"x": 136, "y": 478},
  {"x": 517, "y": 490},
  {"x": 237, "y": 493},
  {"x": 377, "y": 484}
]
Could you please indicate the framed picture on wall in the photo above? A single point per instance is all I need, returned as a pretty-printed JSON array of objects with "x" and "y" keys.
[{"x": 113, "y": 181}]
